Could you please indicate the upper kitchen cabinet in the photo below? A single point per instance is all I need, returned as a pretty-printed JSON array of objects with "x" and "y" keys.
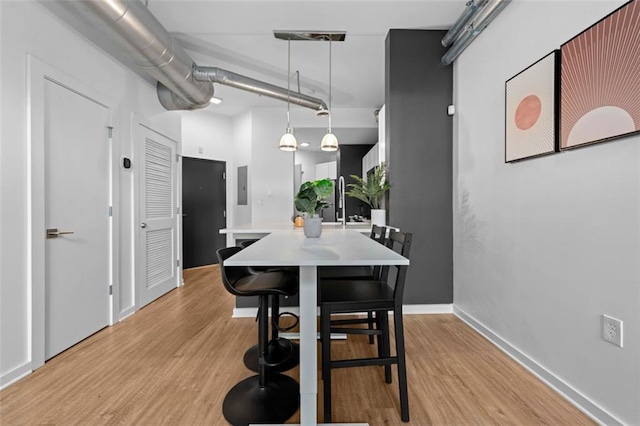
[
  {"x": 328, "y": 170},
  {"x": 376, "y": 155}
]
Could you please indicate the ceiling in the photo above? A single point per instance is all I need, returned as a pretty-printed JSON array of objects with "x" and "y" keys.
[{"x": 237, "y": 35}]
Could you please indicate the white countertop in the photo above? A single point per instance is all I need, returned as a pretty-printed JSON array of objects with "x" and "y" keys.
[
  {"x": 342, "y": 246},
  {"x": 267, "y": 228}
]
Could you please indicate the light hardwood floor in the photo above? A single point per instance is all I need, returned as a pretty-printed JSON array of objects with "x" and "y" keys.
[{"x": 173, "y": 362}]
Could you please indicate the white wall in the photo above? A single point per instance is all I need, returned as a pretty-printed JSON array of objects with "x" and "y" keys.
[
  {"x": 242, "y": 136},
  {"x": 59, "y": 46},
  {"x": 271, "y": 176},
  {"x": 545, "y": 246},
  {"x": 309, "y": 159},
  {"x": 210, "y": 132}
]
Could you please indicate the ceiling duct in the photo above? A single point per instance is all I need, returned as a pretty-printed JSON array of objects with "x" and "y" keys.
[
  {"x": 150, "y": 47},
  {"x": 228, "y": 78},
  {"x": 481, "y": 18},
  {"x": 472, "y": 9}
]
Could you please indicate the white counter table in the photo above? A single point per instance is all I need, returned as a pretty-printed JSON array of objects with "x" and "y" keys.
[
  {"x": 335, "y": 247},
  {"x": 252, "y": 230}
]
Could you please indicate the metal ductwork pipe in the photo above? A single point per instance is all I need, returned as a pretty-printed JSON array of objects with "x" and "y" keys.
[
  {"x": 150, "y": 46},
  {"x": 487, "y": 14},
  {"x": 472, "y": 9},
  {"x": 228, "y": 78}
]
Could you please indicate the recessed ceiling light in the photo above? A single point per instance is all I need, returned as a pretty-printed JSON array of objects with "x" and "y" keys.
[
  {"x": 304, "y": 144},
  {"x": 215, "y": 100}
]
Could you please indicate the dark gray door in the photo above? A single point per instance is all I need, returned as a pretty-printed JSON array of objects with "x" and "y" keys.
[{"x": 204, "y": 200}]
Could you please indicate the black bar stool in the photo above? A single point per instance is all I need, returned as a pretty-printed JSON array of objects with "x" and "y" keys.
[
  {"x": 379, "y": 296},
  {"x": 264, "y": 398},
  {"x": 379, "y": 234},
  {"x": 282, "y": 353}
]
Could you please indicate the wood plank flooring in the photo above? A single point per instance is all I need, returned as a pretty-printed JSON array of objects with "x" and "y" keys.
[{"x": 173, "y": 362}]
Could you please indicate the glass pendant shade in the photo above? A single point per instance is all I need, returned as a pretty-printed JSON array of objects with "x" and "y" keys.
[
  {"x": 329, "y": 142},
  {"x": 288, "y": 142}
]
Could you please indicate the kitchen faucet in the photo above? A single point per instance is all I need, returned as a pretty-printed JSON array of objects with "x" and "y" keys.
[{"x": 341, "y": 202}]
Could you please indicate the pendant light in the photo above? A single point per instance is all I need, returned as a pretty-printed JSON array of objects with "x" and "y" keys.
[
  {"x": 329, "y": 141},
  {"x": 288, "y": 140}
]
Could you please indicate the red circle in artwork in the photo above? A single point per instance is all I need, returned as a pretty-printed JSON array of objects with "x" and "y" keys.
[{"x": 528, "y": 112}]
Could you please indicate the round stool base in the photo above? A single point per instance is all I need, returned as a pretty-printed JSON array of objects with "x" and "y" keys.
[
  {"x": 248, "y": 403},
  {"x": 277, "y": 352}
]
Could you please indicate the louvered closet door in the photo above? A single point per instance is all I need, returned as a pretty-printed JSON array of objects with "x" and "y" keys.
[{"x": 158, "y": 225}]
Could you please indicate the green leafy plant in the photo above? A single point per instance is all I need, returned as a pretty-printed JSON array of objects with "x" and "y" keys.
[
  {"x": 313, "y": 196},
  {"x": 371, "y": 190}
]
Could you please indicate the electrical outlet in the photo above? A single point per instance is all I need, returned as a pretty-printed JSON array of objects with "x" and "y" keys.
[{"x": 612, "y": 330}]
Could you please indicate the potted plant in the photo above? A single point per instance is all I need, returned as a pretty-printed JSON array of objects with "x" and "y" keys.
[
  {"x": 311, "y": 199},
  {"x": 371, "y": 191}
]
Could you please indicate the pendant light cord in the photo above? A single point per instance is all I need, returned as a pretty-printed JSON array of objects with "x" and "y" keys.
[
  {"x": 288, "y": 81},
  {"x": 330, "y": 110}
]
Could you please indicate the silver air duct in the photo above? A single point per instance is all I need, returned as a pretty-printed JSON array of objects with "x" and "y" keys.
[
  {"x": 150, "y": 46},
  {"x": 228, "y": 78},
  {"x": 473, "y": 7},
  {"x": 480, "y": 22}
]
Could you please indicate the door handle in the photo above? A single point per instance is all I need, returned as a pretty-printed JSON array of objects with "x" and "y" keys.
[
  {"x": 143, "y": 225},
  {"x": 54, "y": 233}
]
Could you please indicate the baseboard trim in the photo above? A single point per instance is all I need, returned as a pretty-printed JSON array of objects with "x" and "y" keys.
[
  {"x": 406, "y": 309},
  {"x": 565, "y": 390},
  {"x": 444, "y": 308},
  {"x": 14, "y": 375},
  {"x": 125, "y": 313}
]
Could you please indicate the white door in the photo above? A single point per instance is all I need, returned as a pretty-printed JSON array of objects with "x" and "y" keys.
[
  {"x": 157, "y": 266},
  {"x": 77, "y": 195}
]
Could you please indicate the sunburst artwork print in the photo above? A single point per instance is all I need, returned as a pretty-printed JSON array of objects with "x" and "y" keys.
[
  {"x": 531, "y": 110},
  {"x": 600, "y": 81}
]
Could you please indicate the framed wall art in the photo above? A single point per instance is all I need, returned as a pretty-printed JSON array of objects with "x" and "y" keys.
[
  {"x": 531, "y": 110},
  {"x": 600, "y": 82}
]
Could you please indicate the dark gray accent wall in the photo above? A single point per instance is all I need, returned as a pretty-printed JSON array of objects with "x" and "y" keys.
[{"x": 418, "y": 135}]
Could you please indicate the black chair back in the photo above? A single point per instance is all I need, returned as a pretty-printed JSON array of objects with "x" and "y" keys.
[
  {"x": 247, "y": 243},
  {"x": 379, "y": 234},
  {"x": 231, "y": 274},
  {"x": 400, "y": 242}
]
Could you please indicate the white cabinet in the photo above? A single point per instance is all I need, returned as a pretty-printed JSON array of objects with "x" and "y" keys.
[
  {"x": 381, "y": 135},
  {"x": 327, "y": 170},
  {"x": 370, "y": 160},
  {"x": 377, "y": 154}
]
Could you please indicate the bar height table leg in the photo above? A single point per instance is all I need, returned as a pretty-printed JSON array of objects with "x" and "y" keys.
[{"x": 308, "y": 349}]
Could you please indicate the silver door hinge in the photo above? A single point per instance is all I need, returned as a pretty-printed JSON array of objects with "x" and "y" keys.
[
  {"x": 224, "y": 213},
  {"x": 110, "y": 211},
  {"x": 110, "y": 290},
  {"x": 178, "y": 262},
  {"x": 224, "y": 175},
  {"x": 177, "y": 210},
  {"x": 109, "y": 132},
  {"x": 177, "y": 157}
]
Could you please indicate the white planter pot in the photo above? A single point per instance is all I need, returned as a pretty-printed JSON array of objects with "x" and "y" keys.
[
  {"x": 378, "y": 217},
  {"x": 313, "y": 226}
]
